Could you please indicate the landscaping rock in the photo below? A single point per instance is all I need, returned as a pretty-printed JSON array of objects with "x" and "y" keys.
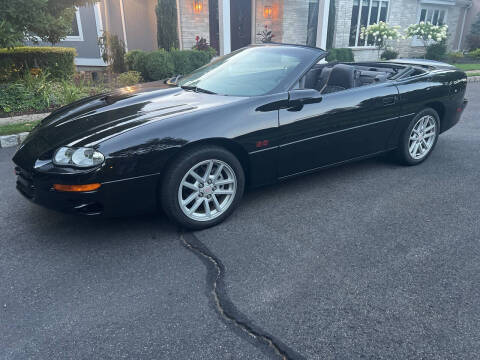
[{"x": 8, "y": 141}]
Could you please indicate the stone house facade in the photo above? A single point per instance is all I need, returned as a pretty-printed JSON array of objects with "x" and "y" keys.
[{"x": 231, "y": 24}]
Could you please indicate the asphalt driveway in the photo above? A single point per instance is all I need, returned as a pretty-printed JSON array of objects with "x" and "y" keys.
[{"x": 365, "y": 261}]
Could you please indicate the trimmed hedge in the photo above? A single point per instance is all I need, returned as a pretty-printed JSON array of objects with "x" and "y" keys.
[
  {"x": 58, "y": 62},
  {"x": 160, "y": 64},
  {"x": 340, "y": 54}
]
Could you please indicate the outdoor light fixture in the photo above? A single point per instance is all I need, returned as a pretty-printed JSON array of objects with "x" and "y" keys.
[
  {"x": 267, "y": 12},
  {"x": 198, "y": 6}
]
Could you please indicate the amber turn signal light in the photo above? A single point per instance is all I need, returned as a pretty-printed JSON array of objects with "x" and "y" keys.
[{"x": 76, "y": 188}]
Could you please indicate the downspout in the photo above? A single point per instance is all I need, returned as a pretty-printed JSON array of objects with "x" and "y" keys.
[
  {"x": 124, "y": 28},
  {"x": 463, "y": 26}
]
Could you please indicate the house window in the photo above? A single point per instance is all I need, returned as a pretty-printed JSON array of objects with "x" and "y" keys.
[
  {"x": 435, "y": 16},
  {"x": 364, "y": 13},
  {"x": 76, "y": 34}
]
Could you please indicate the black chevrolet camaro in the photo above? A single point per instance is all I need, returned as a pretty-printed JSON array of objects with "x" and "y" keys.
[{"x": 256, "y": 116}]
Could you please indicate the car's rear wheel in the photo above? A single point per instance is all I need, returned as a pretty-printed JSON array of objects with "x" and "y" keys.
[
  {"x": 420, "y": 138},
  {"x": 202, "y": 187}
]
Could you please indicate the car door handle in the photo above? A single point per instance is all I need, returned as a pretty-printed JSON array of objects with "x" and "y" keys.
[{"x": 389, "y": 100}]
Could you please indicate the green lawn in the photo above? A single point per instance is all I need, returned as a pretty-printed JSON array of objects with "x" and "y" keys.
[
  {"x": 9, "y": 129},
  {"x": 468, "y": 67}
]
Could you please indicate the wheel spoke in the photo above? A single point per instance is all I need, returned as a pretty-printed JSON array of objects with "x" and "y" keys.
[
  {"x": 206, "y": 204},
  {"x": 189, "y": 199},
  {"x": 196, "y": 205},
  {"x": 425, "y": 143},
  {"x": 196, "y": 176},
  {"x": 217, "y": 173},
  {"x": 429, "y": 135},
  {"x": 216, "y": 203},
  {"x": 190, "y": 186},
  {"x": 415, "y": 149},
  {"x": 224, "y": 182},
  {"x": 208, "y": 171},
  {"x": 223, "y": 192},
  {"x": 412, "y": 146}
]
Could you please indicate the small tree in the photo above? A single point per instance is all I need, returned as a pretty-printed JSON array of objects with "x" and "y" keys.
[
  {"x": 379, "y": 34},
  {"x": 428, "y": 33},
  {"x": 167, "y": 36},
  {"x": 113, "y": 51},
  {"x": 29, "y": 20}
]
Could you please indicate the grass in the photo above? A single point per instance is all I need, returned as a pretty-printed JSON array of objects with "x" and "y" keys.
[
  {"x": 468, "y": 67},
  {"x": 473, "y": 74},
  {"x": 10, "y": 129}
]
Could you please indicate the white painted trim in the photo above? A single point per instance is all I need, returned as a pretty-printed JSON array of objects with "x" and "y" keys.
[
  {"x": 98, "y": 19},
  {"x": 324, "y": 30},
  {"x": 89, "y": 62},
  {"x": 460, "y": 39},
  {"x": 224, "y": 27},
  {"x": 124, "y": 28},
  {"x": 80, "y": 29}
]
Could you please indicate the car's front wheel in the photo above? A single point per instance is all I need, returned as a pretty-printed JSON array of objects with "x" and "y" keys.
[
  {"x": 202, "y": 187},
  {"x": 420, "y": 137}
]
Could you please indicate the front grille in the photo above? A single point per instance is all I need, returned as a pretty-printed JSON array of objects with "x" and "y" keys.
[{"x": 25, "y": 182}]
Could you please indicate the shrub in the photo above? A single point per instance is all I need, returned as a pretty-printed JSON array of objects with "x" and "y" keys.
[
  {"x": 389, "y": 54},
  {"x": 38, "y": 93},
  {"x": 340, "y": 54},
  {"x": 56, "y": 61},
  {"x": 159, "y": 65},
  {"x": 129, "y": 78},
  {"x": 475, "y": 54},
  {"x": 454, "y": 56},
  {"x": 136, "y": 60},
  {"x": 437, "y": 51}
]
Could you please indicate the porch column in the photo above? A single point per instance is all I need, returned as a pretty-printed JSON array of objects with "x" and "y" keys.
[
  {"x": 322, "y": 27},
  {"x": 224, "y": 26}
]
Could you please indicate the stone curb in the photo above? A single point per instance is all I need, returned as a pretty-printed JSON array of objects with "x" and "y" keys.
[
  {"x": 473, "y": 79},
  {"x": 12, "y": 140}
]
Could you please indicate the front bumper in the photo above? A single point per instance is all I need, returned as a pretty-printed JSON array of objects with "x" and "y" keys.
[{"x": 115, "y": 198}]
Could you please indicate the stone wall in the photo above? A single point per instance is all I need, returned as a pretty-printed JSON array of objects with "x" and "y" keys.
[
  {"x": 295, "y": 21},
  {"x": 401, "y": 13},
  {"x": 193, "y": 24},
  {"x": 274, "y": 23}
]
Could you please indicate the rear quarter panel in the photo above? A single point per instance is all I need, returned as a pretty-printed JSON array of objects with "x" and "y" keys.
[{"x": 441, "y": 89}]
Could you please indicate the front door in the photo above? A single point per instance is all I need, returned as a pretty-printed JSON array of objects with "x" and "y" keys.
[
  {"x": 343, "y": 125},
  {"x": 240, "y": 23}
]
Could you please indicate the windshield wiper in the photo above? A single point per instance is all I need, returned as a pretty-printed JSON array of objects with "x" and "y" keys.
[{"x": 197, "y": 89}]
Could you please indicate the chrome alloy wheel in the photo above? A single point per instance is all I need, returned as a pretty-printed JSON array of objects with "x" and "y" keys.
[
  {"x": 422, "y": 137},
  {"x": 207, "y": 190}
]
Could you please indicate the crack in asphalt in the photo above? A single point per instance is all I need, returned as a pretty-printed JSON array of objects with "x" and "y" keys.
[{"x": 225, "y": 307}]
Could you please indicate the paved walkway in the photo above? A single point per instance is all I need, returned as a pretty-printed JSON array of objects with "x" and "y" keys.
[{"x": 22, "y": 118}]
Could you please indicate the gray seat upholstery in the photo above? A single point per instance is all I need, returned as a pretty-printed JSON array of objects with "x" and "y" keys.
[
  {"x": 342, "y": 77},
  {"x": 311, "y": 78}
]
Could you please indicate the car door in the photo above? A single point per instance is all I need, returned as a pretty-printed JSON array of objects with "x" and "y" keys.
[{"x": 336, "y": 127}]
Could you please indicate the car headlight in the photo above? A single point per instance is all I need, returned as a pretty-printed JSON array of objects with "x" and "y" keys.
[{"x": 79, "y": 157}]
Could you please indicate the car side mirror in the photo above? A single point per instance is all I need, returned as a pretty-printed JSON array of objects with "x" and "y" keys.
[{"x": 300, "y": 97}]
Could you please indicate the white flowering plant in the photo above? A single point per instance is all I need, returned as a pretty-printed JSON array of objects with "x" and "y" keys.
[
  {"x": 427, "y": 33},
  {"x": 379, "y": 34}
]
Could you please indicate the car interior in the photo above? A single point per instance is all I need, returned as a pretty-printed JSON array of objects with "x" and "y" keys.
[{"x": 333, "y": 77}]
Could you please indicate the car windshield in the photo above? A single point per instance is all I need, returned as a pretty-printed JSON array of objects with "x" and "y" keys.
[{"x": 251, "y": 71}]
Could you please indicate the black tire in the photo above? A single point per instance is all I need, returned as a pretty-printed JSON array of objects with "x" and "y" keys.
[
  {"x": 402, "y": 152},
  {"x": 179, "y": 168}
]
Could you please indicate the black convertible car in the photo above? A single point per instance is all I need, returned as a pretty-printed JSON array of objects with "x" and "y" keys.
[{"x": 250, "y": 118}]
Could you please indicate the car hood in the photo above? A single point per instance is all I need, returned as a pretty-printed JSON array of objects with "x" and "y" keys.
[{"x": 90, "y": 121}]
